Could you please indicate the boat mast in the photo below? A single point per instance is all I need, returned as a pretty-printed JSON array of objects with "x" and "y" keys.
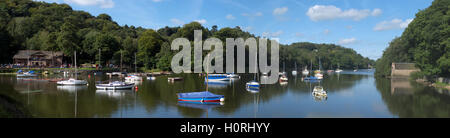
[
  {"x": 76, "y": 75},
  {"x": 207, "y": 76},
  {"x": 256, "y": 66},
  {"x": 135, "y": 66}
]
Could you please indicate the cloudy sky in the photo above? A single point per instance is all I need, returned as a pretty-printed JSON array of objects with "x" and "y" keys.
[{"x": 364, "y": 25}]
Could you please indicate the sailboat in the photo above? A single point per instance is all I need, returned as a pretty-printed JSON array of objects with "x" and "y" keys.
[
  {"x": 283, "y": 77},
  {"x": 318, "y": 72},
  {"x": 253, "y": 84},
  {"x": 73, "y": 81},
  {"x": 295, "y": 70},
  {"x": 133, "y": 78},
  {"x": 204, "y": 96},
  {"x": 338, "y": 70}
]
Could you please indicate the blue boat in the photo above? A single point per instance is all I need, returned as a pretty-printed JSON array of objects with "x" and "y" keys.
[
  {"x": 217, "y": 77},
  {"x": 311, "y": 78},
  {"x": 204, "y": 96},
  {"x": 252, "y": 84}
]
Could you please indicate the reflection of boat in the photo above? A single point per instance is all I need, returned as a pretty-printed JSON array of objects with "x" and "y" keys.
[
  {"x": 72, "y": 88},
  {"x": 252, "y": 90},
  {"x": 218, "y": 77},
  {"x": 72, "y": 81},
  {"x": 218, "y": 84},
  {"x": 113, "y": 93},
  {"x": 200, "y": 105},
  {"x": 172, "y": 79},
  {"x": 319, "y": 92},
  {"x": 116, "y": 85},
  {"x": 200, "y": 97}
]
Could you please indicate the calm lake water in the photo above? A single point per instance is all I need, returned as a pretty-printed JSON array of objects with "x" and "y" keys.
[{"x": 350, "y": 94}]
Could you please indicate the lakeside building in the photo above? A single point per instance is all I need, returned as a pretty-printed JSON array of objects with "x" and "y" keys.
[{"x": 38, "y": 58}]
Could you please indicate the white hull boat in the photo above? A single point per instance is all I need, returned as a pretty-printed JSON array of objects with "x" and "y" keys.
[
  {"x": 319, "y": 92},
  {"x": 72, "y": 82},
  {"x": 117, "y": 85}
]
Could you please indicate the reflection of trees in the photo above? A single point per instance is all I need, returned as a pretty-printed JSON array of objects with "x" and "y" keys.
[
  {"x": 331, "y": 83},
  {"x": 424, "y": 102},
  {"x": 10, "y": 105}
]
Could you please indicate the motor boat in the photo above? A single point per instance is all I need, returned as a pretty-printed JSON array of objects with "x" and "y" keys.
[
  {"x": 319, "y": 92},
  {"x": 232, "y": 75},
  {"x": 338, "y": 71},
  {"x": 31, "y": 73},
  {"x": 252, "y": 85},
  {"x": 319, "y": 75},
  {"x": 151, "y": 77},
  {"x": 217, "y": 77},
  {"x": 204, "y": 96},
  {"x": 72, "y": 81},
  {"x": 283, "y": 78},
  {"x": 305, "y": 72},
  {"x": 294, "y": 72},
  {"x": 116, "y": 85},
  {"x": 133, "y": 78}
]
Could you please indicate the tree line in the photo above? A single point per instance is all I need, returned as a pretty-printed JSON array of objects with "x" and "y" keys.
[
  {"x": 33, "y": 25},
  {"x": 425, "y": 42}
]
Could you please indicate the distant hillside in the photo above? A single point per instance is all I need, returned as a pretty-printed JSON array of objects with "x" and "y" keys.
[{"x": 26, "y": 24}]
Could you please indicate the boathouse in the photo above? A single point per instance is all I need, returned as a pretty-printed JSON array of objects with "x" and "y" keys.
[{"x": 38, "y": 58}]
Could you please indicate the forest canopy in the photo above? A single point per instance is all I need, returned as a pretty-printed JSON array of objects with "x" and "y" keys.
[
  {"x": 26, "y": 24},
  {"x": 425, "y": 42}
]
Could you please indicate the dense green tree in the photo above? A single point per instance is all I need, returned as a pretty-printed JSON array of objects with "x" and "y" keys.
[
  {"x": 149, "y": 45},
  {"x": 425, "y": 42}
]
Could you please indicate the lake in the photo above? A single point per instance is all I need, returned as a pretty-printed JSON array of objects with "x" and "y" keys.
[{"x": 350, "y": 94}]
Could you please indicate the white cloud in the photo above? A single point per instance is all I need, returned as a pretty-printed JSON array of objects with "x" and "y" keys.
[
  {"x": 252, "y": 15},
  {"x": 157, "y": 0},
  {"x": 176, "y": 21},
  {"x": 299, "y": 34},
  {"x": 330, "y": 12},
  {"x": 376, "y": 12},
  {"x": 347, "y": 41},
  {"x": 274, "y": 34},
  {"x": 202, "y": 21},
  {"x": 230, "y": 17},
  {"x": 393, "y": 24},
  {"x": 101, "y": 3},
  {"x": 280, "y": 11}
]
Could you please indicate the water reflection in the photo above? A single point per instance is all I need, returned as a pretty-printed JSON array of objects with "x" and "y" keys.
[{"x": 349, "y": 95}]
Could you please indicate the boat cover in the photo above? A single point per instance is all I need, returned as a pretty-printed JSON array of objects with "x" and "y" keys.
[{"x": 204, "y": 94}]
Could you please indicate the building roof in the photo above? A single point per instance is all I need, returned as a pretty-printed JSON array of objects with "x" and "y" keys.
[{"x": 25, "y": 54}]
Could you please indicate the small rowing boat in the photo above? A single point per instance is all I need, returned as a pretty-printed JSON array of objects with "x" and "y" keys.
[
  {"x": 116, "y": 85},
  {"x": 204, "y": 96}
]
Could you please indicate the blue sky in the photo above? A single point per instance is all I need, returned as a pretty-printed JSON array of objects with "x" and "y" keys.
[{"x": 364, "y": 25}]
